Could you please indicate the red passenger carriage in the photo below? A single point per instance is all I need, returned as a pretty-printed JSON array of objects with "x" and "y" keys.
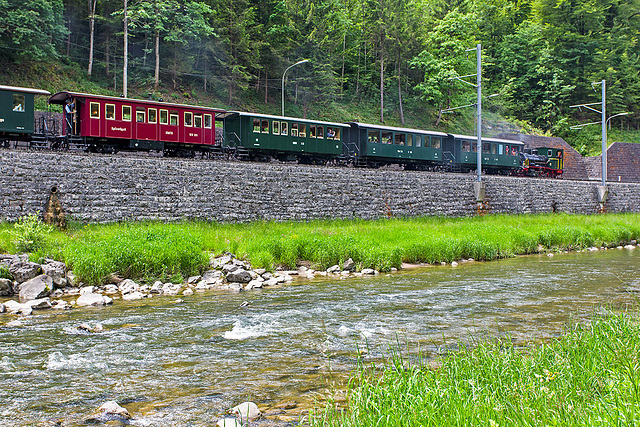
[{"x": 109, "y": 124}]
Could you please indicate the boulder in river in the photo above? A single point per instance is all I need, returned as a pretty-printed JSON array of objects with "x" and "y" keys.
[
  {"x": 240, "y": 276},
  {"x": 247, "y": 411},
  {"x": 38, "y": 287},
  {"x": 112, "y": 411},
  {"x": 92, "y": 299},
  {"x": 23, "y": 271},
  {"x": 349, "y": 265},
  {"x": 56, "y": 270},
  {"x": 6, "y": 287}
]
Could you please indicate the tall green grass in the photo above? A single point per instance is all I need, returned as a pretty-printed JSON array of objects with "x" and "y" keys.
[
  {"x": 156, "y": 249},
  {"x": 588, "y": 377}
]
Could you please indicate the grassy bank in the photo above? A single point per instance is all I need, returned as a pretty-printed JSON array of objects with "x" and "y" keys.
[
  {"x": 156, "y": 250},
  {"x": 588, "y": 377}
]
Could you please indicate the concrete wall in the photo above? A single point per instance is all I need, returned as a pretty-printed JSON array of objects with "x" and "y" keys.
[{"x": 99, "y": 188}]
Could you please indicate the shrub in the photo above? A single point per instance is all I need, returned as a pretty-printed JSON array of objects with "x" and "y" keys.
[{"x": 30, "y": 233}]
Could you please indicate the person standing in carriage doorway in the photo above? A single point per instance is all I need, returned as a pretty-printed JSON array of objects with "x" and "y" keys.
[{"x": 68, "y": 115}]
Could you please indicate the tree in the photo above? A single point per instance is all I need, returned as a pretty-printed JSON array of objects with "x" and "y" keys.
[{"x": 31, "y": 28}]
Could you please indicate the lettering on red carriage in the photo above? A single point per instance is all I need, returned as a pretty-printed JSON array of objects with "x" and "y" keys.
[
  {"x": 168, "y": 132},
  {"x": 192, "y": 134},
  {"x": 113, "y": 128}
]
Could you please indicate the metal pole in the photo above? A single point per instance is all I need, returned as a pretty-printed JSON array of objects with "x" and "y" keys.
[
  {"x": 285, "y": 72},
  {"x": 604, "y": 133},
  {"x": 479, "y": 124},
  {"x": 126, "y": 51}
]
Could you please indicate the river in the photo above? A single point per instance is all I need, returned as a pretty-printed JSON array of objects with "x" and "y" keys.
[{"x": 184, "y": 363}]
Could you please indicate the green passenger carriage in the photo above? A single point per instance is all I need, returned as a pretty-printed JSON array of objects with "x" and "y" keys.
[
  {"x": 261, "y": 136},
  {"x": 375, "y": 145},
  {"x": 17, "y": 113},
  {"x": 498, "y": 155}
]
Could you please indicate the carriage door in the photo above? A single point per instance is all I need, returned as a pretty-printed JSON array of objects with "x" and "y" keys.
[{"x": 95, "y": 119}]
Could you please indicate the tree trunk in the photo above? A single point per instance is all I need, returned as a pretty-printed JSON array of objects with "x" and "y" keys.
[
  {"x": 266, "y": 86},
  {"x": 205, "y": 73},
  {"x": 157, "y": 71},
  {"x": 107, "y": 56},
  {"x": 344, "y": 48},
  {"x": 400, "y": 92},
  {"x": 381, "y": 82},
  {"x": 92, "y": 22},
  {"x": 126, "y": 51}
]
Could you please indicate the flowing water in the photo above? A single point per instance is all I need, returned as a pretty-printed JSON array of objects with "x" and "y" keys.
[{"x": 184, "y": 363}]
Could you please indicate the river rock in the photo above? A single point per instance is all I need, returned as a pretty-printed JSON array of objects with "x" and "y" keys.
[
  {"x": 23, "y": 271},
  {"x": 60, "y": 304},
  {"x": 39, "y": 304},
  {"x": 156, "y": 288},
  {"x": 333, "y": 269},
  {"x": 220, "y": 261},
  {"x": 171, "y": 289},
  {"x": 193, "y": 280},
  {"x": 87, "y": 290},
  {"x": 210, "y": 276},
  {"x": 633, "y": 242},
  {"x": 260, "y": 271},
  {"x": 240, "y": 275},
  {"x": 629, "y": 247},
  {"x": 128, "y": 286},
  {"x": 247, "y": 411},
  {"x": 254, "y": 284},
  {"x": 91, "y": 299},
  {"x": 38, "y": 287},
  {"x": 3, "y": 309},
  {"x": 113, "y": 408},
  {"x": 349, "y": 265},
  {"x": 131, "y": 296},
  {"x": 6, "y": 287},
  {"x": 229, "y": 268},
  {"x": 72, "y": 280},
  {"x": 187, "y": 292},
  {"x": 56, "y": 270},
  {"x": 111, "y": 289},
  {"x": 228, "y": 422},
  {"x": 368, "y": 271}
]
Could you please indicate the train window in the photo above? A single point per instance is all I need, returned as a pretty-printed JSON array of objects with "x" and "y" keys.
[
  {"x": 110, "y": 112},
  {"x": 197, "y": 120},
  {"x": 435, "y": 142},
  {"x": 173, "y": 118},
  {"x": 94, "y": 110},
  {"x": 474, "y": 146},
  {"x": 506, "y": 150},
  {"x": 466, "y": 146},
  {"x": 140, "y": 114},
  {"x": 188, "y": 119},
  {"x": 336, "y": 133},
  {"x": 152, "y": 115},
  {"x": 330, "y": 133},
  {"x": 500, "y": 148},
  {"x": 284, "y": 128},
  {"x": 400, "y": 138},
  {"x": 486, "y": 147},
  {"x": 276, "y": 128},
  {"x": 514, "y": 151},
  {"x": 294, "y": 129},
  {"x": 264, "y": 125},
  {"x": 373, "y": 136},
  {"x": 126, "y": 113},
  {"x": 418, "y": 140},
  {"x": 312, "y": 131},
  {"x": 303, "y": 130},
  {"x": 207, "y": 121},
  {"x": 494, "y": 148},
  {"x": 410, "y": 140},
  {"x": 256, "y": 125},
  {"x": 164, "y": 117},
  {"x": 550, "y": 153},
  {"x": 320, "y": 130},
  {"x": 18, "y": 103},
  {"x": 387, "y": 137}
]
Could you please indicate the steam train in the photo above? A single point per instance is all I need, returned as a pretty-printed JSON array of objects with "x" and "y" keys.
[{"x": 107, "y": 124}]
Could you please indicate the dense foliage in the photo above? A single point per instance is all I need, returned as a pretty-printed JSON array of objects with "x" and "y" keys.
[{"x": 396, "y": 56}]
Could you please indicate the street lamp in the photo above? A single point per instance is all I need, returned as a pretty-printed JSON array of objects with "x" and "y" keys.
[{"x": 285, "y": 72}]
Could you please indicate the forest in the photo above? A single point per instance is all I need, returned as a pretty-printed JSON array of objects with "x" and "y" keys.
[{"x": 388, "y": 61}]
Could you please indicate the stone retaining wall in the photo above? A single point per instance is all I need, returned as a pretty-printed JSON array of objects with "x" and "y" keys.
[{"x": 98, "y": 188}]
